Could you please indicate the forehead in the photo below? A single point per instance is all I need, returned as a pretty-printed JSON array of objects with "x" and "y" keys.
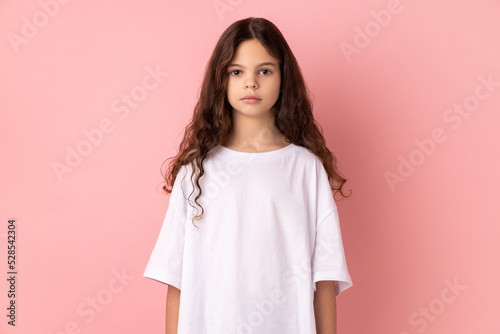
[{"x": 252, "y": 52}]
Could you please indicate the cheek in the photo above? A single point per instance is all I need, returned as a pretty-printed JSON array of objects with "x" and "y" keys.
[
  {"x": 276, "y": 87},
  {"x": 277, "y": 82},
  {"x": 230, "y": 89},
  {"x": 232, "y": 95}
]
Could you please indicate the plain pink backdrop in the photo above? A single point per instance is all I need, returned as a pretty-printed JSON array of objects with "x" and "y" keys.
[{"x": 405, "y": 243}]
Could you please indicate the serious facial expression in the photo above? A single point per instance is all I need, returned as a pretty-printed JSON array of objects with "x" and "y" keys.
[{"x": 253, "y": 71}]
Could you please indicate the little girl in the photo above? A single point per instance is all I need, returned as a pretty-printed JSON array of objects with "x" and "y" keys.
[{"x": 266, "y": 255}]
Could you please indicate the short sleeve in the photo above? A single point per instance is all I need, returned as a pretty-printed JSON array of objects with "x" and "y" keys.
[
  {"x": 328, "y": 258},
  {"x": 165, "y": 262},
  {"x": 329, "y": 263}
]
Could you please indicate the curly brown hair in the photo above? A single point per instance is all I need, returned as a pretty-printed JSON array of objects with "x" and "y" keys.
[{"x": 211, "y": 122}]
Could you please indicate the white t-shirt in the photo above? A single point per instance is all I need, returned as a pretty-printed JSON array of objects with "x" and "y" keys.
[{"x": 270, "y": 230}]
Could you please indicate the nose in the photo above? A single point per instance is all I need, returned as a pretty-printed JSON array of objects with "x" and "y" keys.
[{"x": 250, "y": 82}]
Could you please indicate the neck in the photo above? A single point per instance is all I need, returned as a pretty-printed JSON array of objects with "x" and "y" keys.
[{"x": 254, "y": 133}]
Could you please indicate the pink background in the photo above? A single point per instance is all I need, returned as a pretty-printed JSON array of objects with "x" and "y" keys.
[{"x": 404, "y": 243}]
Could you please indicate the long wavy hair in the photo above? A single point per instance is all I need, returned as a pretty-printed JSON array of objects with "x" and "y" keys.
[{"x": 211, "y": 122}]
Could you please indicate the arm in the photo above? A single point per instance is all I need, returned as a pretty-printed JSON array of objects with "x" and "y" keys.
[
  {"x": 172, "y": 317},
  {"x": 325, "y": 307}
]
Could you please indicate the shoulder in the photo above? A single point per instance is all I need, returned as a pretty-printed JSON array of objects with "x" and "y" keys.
[
  {"x": 183, "y": 179},
  {"x": 308, "y": 157},
  {"x": 302, "y": 151}
]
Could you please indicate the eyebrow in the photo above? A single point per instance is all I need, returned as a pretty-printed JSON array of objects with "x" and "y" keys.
[{"x": 261, "y": 64}]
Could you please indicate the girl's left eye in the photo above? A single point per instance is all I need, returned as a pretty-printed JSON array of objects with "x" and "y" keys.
[{"x": 266, "y": 70}]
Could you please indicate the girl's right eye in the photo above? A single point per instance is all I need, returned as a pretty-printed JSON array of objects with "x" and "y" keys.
[{"x": 231, "y": 72}]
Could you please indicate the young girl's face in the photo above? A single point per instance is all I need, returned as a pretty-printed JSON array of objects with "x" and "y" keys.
[{"x": 253, "y": 71}]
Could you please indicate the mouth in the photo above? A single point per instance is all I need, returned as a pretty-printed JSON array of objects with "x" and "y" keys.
[{"x": 250, "y": 100}]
